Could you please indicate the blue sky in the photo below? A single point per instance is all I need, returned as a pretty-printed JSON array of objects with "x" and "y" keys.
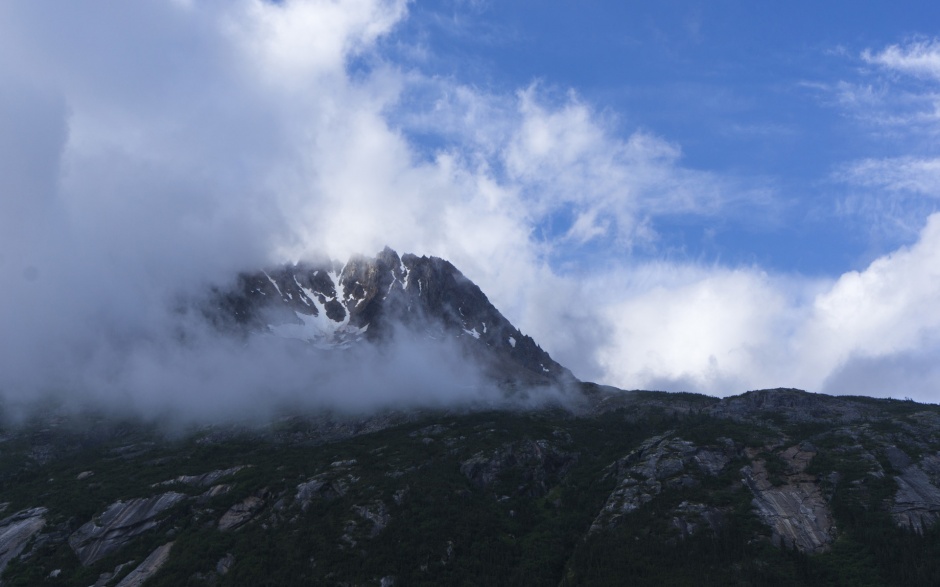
[
  {"x": 703, "y": 196},
  {"x": 745, "y": 90}
]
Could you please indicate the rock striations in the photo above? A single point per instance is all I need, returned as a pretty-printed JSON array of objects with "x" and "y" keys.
[{"x": 118, "y": 524}]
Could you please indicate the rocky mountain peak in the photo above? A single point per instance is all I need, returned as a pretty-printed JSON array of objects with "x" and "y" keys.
[{"x": 333, "y": 306}]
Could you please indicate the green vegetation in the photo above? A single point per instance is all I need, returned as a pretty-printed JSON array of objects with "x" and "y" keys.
[{"x": 400, "y": 502}]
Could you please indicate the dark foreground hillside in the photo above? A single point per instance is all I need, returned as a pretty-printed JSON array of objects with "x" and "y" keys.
[{"x": 774, "y": 487}]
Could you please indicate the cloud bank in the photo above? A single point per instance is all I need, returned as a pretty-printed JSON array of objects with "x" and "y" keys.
[{"x": 153, "y": 149}]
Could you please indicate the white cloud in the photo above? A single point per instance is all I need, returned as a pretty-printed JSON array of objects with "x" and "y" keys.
[
  {"x": 718, "y": 330},
  {"x": 705, "y": 329},
  {"x": 920, "y": 58},
  {"x": 898, "y": 99},
  {"x": 564, "y": 157},
  {"x": 162, "y": 147},
  {"x": 897, "y": 103},
  {"x": 301, "y": 41},
  {"x": 888, "y": 308},
  {"x": 917, "y": 175}
]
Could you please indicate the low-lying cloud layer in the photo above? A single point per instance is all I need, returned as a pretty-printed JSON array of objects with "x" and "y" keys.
[{"x": 149, "y": 150}]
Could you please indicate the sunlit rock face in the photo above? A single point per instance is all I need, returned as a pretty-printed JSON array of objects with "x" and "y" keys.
[{"x": 334, "y": 306}]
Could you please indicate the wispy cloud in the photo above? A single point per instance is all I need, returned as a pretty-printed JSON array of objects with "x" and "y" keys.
[
  {"x": 899, "y": 95},
  {"x": 897, "y": 174},
  {"x": 895, "y": 99},
  {"x": 919, "y": 57}
]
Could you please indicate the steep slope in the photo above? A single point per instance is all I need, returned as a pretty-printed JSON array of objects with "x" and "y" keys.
[{"x": 334, "y": 306}]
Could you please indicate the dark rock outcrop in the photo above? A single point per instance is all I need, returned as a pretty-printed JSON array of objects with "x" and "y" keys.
[
  {"x": 691, "y": 518},
  {"x": 538, "y": 463},
  {"x": 376, "y": 514},
  {"x": 793, "y": 404},
  {"x": 328, "y": 485}
]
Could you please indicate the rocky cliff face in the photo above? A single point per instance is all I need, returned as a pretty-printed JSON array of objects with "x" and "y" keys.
[
  {"x": 794, "y": 508},
  {"x": 917, "y": 502},
  {"x": 334, "y": 306}
]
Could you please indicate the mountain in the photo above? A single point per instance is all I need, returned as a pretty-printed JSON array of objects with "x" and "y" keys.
[
  {"x": 334, "y": 306},
  {"x": 772, "y": 487}
]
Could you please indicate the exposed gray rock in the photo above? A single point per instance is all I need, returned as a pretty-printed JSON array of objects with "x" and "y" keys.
[
  {"x": 148, "y": 568},
  {"x": 930, "y": 464},
  {"x": 796, "y": 511},
  {"x": 326, "y": 486},
  {"x": 214, "y": 491},
  {"x": 691, "y": 518},
  {"x": 240, "y": 513},
  {"x": 367, "y": 299},
  {"x": 225, "y": 564},
  {"x": 118, "y": 524},
  {"x": 105, "y": 578},
  {"x": 377, "y": 514},
  {"x": 204, "y": 480},
  {"x": 794, "y": 404},
  {"x": 917, "y": 502},
  {"x": 17, "y": 530},
  {"x": 898, "y": 458},
  {"x": 659, "y": 462},
  {"x": 712, "y": 462}
]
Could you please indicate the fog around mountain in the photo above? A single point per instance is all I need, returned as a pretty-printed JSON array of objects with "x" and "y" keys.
[{"x": 151, "y": 152}]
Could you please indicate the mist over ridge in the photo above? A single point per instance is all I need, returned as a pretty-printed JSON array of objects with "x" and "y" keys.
[{"x": 371, "y": 334}]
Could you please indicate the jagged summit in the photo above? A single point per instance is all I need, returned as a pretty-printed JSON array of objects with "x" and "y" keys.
[{"x": 334, "y": 305}]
